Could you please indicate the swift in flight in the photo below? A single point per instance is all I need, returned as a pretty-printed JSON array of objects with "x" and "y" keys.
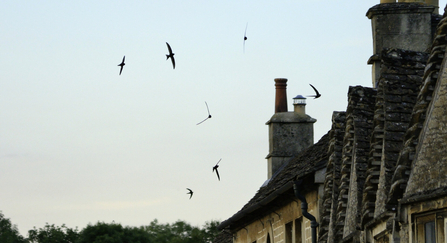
[
  {"x": 170, "y": 55},
  {"x": 122, "y": 64},
  {"x": 215, "y": 169},
  {"x": 317, "y": 94},
  {"x": 209, "y": 115}
]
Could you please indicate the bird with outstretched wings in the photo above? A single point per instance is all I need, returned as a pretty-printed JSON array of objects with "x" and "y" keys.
[
  {"x": 190, "y": 192},
  {"x": 209, "y": 115},
  {"x": 122, "y": 64},
  {"x": 170, "y": 55},
  {"x": 317, "y": 94}
]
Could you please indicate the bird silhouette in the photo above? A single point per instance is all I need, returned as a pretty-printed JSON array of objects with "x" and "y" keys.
[
  {"x": 215, "y": 169},
  {"x": 245, "y": 35},
  {"x": 317, "y": 94},
  {"x": 209, "y": 115},
  {"x": 190, "y": 192},
  {"x": 122, "y": 64},
  {"x": 170, "y": 55}
]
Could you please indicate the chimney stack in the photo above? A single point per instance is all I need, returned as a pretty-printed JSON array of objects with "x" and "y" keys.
[
  {"x": 407, "y": 24},
  {"x": 289, "y": 132},
  {"x": 281, "y": 95}
]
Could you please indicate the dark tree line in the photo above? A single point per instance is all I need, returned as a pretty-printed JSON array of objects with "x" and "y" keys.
[
  {"x": 9, "y": 232},
  {"x": 101, "y": 232}
]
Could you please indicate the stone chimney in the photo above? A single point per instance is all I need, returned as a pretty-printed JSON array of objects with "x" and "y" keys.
[
  {"x": 406, "y": 24},
  {"x": 289, "y": 132}
]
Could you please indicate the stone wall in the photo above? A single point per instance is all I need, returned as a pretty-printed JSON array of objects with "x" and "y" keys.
[
  {"x": 429, "y": 170},
  {"x": 273, "y": 224},
  {"x": 289, "y": 134}
]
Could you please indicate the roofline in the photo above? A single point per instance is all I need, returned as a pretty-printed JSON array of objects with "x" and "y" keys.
[
  {"x": 319, "y": 163},
  {"x": 258, "y": 205},
  {"x": 264, "y": 202}
]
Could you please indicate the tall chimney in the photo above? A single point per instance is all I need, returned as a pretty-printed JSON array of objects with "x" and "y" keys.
[
  {"x": 289, "y": 132},
  {"x": 406, "y": 25},
  {"x": 281, "y": 95}
]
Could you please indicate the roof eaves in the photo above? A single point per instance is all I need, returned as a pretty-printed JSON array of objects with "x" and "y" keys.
[{"x": 264, "y": 202}]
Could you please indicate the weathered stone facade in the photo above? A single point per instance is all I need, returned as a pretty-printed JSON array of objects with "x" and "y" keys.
[
  {"x": 289, "y": 134},
  {"x": 384, "y": 160},
  {"x": 431, "y": 158}
]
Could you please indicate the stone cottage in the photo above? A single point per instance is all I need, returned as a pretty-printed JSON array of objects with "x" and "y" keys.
[{"x": 380, "y": 173}]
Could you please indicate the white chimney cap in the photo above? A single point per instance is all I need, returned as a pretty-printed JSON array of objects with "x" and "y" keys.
[{"x": 299, "y": 100}]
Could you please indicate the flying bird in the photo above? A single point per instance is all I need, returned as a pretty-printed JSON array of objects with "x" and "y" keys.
[
  {"x": 190, "y": 192},
  {"x": 122, "y": 64},
  {"x": 170, "y": 55},
  {"x": 245, "y": 35},
  {"x": 215, "y": 169},
  {"x": 209, "y": 115},
  {"x": 317, "y": 94}
]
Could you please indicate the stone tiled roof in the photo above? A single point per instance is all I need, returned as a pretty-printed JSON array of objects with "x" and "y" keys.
[
  {"x": 327, "y": 220},
  {"x": 223, "y": 237},
  {"x": 308, "y": 161},
  {"x": 428, "y": 169},
  {"x": 356, "y": 143},
  {"x": 398, "y": 86},
  {"x": 403, "y": 166},
  {"x": 371, "y": 134}
]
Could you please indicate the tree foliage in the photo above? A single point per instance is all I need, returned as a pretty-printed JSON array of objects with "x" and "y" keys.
[
  {"x": 9, "y": 232},
  {"x": 53, "y": 234},
  {"x": 210, "y": 230},
  {"x": 178, "y": 232},
  {"x": 181, "y": 232},
  {"x": 112, "y": 233}
]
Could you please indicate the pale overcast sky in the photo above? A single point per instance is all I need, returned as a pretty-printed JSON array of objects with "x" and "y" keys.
[{"x": 79, "y": 143}]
